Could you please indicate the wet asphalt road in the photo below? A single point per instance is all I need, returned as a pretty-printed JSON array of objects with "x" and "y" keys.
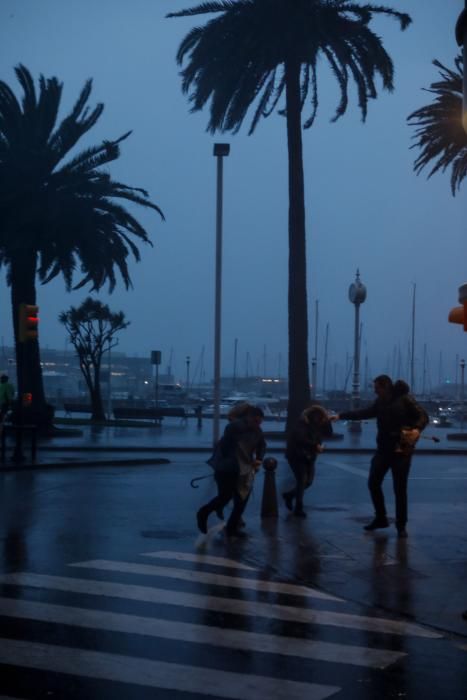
[{"x": 108, "y": 591}]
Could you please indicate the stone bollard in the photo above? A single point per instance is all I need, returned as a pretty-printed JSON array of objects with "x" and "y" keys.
[{"x": 269, "y": 507}]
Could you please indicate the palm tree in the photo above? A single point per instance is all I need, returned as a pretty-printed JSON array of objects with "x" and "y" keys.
[
  {"x": 254, "y": 53},
  {"x": 440, "y": 134},
  {"x": 57, "y": 216}
]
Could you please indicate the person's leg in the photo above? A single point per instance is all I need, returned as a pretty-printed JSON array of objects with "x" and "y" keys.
[
  {"x": 225, "y": 488},
  {"x": 234, "y": 521},
  {"x": 301, "y": 476},
  {"x": 290, "y": 495},
  {"x": 304, "y": 481},
  {"x": 310, "y": 473},
  {"x": 400, "y": 477},
  {"x": 379, "y": 467}
]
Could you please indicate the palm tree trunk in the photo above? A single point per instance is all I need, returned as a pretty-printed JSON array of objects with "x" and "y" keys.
[
  {"x": 28, "y": 364},
  {"x": 299, "y": 381}
]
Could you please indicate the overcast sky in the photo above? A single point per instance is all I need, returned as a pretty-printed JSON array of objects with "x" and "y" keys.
[{"x": 366, "y": 208}]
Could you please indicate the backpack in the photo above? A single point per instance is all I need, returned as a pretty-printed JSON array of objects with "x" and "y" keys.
[{"x": 221, "y": 463}]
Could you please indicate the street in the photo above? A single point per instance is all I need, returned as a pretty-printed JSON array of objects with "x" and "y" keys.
[{"x": 109, "y": 591}]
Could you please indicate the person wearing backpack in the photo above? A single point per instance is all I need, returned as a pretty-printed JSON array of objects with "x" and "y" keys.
[
  {"x": 236, "y": 458},
  {"x": 400, "y": 420},
  {"x": 303, "y": 447}
]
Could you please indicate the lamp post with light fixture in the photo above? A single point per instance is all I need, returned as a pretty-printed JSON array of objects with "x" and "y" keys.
[
  {"x": 357, "y": 295},
  {"x": 221, "y": 150}
]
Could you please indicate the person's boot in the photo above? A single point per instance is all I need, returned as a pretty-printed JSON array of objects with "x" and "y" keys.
[
  {"x": 377, "y": 524},
  {"x": 299, "y": 513},
  {"x": 401, "y": 532},
  {"x": 202, "y": 520},
  {"x": 235, "y": 534},
  {"x": 288, "y": 500}
]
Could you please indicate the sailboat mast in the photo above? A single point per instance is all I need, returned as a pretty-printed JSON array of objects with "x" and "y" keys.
[
  {"x": 325, "y": 361},
  {"x": 234, "y": 381},
  {"x": 314, "y": 360},
  {"x": 412, "y": 350}
]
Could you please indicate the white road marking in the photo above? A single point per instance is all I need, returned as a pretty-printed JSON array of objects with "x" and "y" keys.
[
  {"x": 236, "y": 607},
  {"x": 204, "y": 577},
  {"x": 199, "y": 634},
  {"x": 347, "y": 468},
  {"x": 157, "y": 674},
  {"x": 199, "y": 559},
  {"x": 365, "y": 472}
]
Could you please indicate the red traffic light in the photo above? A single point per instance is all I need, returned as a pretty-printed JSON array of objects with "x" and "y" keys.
[
  {"x": 28, "y": 322},
  {"x": 27, "y": 400}
]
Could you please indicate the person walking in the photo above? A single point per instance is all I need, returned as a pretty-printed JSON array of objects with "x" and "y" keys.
[
  {"x": 236, "y": 459},
  {"x": 400, "y": 420},
  {"x": 302, "y": 449},
  {"x": 7, "y": 393}
]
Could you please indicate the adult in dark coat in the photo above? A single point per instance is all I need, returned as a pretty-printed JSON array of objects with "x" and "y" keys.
[
  {"x": 400, "y": 420},
  {"x": 303, "y": 446},
  {"x": 237, "y": 457}
]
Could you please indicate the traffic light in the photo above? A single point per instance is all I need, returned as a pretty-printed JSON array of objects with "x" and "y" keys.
[
  {"x": 26, "y": 400},
  {"x": 459, "y": 313},
  {"x": 28, "y": 325}
]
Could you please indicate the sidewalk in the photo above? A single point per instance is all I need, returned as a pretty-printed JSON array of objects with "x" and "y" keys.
[
  {"x": 422, "y": 578},
  {"x": 101, "y": 444}
]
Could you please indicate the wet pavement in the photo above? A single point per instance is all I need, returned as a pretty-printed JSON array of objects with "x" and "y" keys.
[{"x": 109, "y": 591}]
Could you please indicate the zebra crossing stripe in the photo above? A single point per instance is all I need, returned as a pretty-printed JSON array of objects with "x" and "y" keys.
[
  {"x": 218, "y": 604},
  {"x": 346, "y": 468},
  {"x": 157, "y": 674},
  {"x": 199, "y": 634},
  {"x": 204, "y": 577},
  {"x": 199, "y": 559}
]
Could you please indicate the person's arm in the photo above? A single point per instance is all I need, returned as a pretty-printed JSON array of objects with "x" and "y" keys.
[
  {"x": 360, "y": 414},
  {"x": 261, "y": 449}
]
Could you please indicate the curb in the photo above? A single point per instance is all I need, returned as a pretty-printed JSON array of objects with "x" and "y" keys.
[{"x": 88, "y": 463}]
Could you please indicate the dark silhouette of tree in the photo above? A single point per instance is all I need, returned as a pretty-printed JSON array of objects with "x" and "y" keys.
[
  {"x": 55, "y": 216},
  {"x": 256, "y": 52},
  {"x": 440, "y": 135},
  {"x": 92, "y": 327}
]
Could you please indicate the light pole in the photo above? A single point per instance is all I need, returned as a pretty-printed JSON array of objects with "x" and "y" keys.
[
  {"x": 109, "y": 384},
  {"x": 461, "y": 38},
  {"x": 462, "y": 366},
  {"x": 357, "y": 295},
  {"x": 221, "y": 150},
  {"x": 188, "y": 359}
]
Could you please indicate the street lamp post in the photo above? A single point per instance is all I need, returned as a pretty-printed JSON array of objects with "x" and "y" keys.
[
  {"x": 462, "y": 366},
  {"x": 188, "y": 359},
  {"x": 221, "y": 150},
  {"x": 461, "y": 38},
  {"x": 109, "y": 385},
  {"x": 357, "y": 295}
]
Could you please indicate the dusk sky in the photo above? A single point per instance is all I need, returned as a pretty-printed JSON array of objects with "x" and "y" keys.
[{"x": 366, "y": 208}]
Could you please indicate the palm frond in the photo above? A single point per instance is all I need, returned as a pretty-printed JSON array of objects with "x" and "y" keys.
[
  {"x": 440, "y": 135},
  {"x": 75, "y": 219},
  {"x": 229, "y": 62}
]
